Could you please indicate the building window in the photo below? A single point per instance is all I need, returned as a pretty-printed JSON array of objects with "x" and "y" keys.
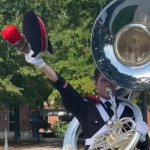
[{"x": 11, "y": 120}]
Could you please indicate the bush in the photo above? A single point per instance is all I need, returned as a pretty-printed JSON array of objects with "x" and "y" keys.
[{"x": 60, "y": 129}]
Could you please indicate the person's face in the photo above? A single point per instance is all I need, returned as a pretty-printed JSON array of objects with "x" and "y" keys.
[{"x": 102, "y": 84}]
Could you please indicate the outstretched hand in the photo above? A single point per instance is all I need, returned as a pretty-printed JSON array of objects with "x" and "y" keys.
[{"x": 38, "y": 61}]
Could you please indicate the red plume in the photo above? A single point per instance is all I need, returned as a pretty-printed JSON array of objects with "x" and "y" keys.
[{"x": 11, "y": 34}]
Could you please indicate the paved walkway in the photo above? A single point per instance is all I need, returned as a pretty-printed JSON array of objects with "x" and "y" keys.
[{"x": 45, "y": 144}]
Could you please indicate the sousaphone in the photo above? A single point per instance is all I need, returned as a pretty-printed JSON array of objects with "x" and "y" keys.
[
  {"x": 121, "y": 51},
  {"x": 121, "y": 43}
]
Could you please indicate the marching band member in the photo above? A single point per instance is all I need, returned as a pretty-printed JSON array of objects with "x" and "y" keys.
[{"x": 92, "y": 112}]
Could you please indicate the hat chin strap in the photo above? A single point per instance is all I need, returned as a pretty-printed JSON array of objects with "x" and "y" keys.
[{"x": 44, "y": 36}]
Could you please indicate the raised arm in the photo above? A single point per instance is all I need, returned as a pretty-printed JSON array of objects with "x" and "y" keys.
[
  {"x": 72, "y": 100},
  {"x": 50, "y": 73}
]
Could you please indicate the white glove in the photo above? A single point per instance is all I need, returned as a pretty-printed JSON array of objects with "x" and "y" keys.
[
  {"x": 142, "y": 128},
  {"x": 38, "y": 61}
]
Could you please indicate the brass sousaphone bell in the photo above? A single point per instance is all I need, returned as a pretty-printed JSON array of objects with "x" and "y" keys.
[
  {"x": 121, "y": 51},
  {"x": 121, "y": 43}
]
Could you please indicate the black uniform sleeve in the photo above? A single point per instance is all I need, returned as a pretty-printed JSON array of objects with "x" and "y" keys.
[
  {"x": 144, "y": 145},
  {"x": 72, "y": 100}
]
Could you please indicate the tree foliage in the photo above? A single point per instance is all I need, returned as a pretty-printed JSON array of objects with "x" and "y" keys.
[{"x": 69, "y": 24}]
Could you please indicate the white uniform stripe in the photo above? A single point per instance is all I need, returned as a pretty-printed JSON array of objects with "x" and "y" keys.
[{"x": 105, "y": 117}]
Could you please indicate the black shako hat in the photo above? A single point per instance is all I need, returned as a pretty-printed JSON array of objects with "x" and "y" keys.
[{"x": 35, "y": 32}]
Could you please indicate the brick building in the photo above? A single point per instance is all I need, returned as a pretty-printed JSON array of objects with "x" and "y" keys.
[
  {"x": 25, "y": 119},
  {"x": 53, "y": 117}
]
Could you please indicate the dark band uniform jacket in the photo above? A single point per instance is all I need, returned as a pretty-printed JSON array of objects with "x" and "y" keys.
[{"x": 88, "y": 112}]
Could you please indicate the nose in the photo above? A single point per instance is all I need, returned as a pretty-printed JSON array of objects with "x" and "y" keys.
[{"x": 109, "y": 82}]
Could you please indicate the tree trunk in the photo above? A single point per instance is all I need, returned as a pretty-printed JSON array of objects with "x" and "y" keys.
[{"x": 17, "y": 134}]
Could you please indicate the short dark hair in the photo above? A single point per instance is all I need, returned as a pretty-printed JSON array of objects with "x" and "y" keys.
[{"x": 97, "y": 73}]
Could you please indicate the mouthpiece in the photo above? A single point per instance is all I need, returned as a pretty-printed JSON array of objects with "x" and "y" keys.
[{"x": 108, "y": 90}]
